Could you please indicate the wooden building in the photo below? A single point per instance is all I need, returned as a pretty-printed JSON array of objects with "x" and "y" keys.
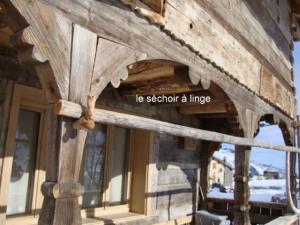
[
  {"x": 79, "y": 141},
  {"x": 220, "y": 172}
]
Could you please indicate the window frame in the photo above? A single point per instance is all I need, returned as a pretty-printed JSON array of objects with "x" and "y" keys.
[
  {"x": 106, "y": 207},
  {"x": 31, "y": 99}
]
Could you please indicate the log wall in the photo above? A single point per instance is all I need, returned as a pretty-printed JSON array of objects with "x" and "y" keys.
[
  {"x": 177, "y": 170},
  {"x": 250, "y": 43}
]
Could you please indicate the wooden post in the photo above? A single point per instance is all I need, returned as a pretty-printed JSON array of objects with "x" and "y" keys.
[
  {"x": 241, "y": 189},
  {"x": 207, "y": 150},
  {"x": 293, "y": 178},
  {"x": 48, "y": 207},
  {"x": 61, "y": 189},
  {"x": 204, "y": 163}
]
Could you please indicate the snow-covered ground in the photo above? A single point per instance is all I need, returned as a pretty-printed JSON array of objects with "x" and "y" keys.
[{"x": 260, "y": 191}]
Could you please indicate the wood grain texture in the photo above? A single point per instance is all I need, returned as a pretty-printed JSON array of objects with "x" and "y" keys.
[
  {"x": 274, "y": 91},
  {"x": 177, "y": 179},
  {"x": 141, "y": 144},
  {"x": 111, "y": 64},
  {"x": 160, "y": 46},
  {"x": 241, "y": 189},
  {"x": 67, "y": 210},
  {"x": 50, "y": 34},
  {"x": 74, "y": 110},
  {"x": 198, "y": 27},
  {"x": 82, "y": 64},
  {"x": 250, "y": 25}
]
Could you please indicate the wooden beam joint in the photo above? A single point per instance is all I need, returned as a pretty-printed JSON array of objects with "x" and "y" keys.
[
  {"x": 241, "y": 179},
  {"x": 241, "y": 208},
  {"x": 87, "y": 122},
  {"x": 61, "y": 190}
]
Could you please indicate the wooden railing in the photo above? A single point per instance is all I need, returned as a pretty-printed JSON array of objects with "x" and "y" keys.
[
  {"x": 285, "y": 220},
  {"x": 185, "y": 220},
  {"x": 260, "y": 212}
]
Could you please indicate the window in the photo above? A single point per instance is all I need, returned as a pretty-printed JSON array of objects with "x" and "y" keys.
[
  {"x": 93, "y": 175},
  {"x": 106, "y": 167},
  {"x": 22, "y": 174},
  {"x": 23, "y": 162},
  {"x": 112, "y": 155},
  {"x": 214, "y": 165},
  {"x": 119, "y": 167}
]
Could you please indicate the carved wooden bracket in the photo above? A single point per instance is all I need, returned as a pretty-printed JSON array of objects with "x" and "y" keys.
[{"x": 248, "y": 121}]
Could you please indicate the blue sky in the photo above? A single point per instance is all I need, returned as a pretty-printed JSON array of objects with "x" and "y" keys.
[{"x": 273, "y": 133}]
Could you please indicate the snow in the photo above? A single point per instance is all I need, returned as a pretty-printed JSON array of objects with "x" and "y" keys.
[
  {"x": 225, "y": 154},
  {"x": 255, "y": 196},
  {"x": 260, "y": 191},
  {"x": 267, "y": 184}
]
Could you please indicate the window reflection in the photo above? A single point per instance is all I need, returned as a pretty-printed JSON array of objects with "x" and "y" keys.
[
  {"x": 20, "y": 187},
  {"x": 94, "y": 157},
  {"x": 118, "y": 179}
]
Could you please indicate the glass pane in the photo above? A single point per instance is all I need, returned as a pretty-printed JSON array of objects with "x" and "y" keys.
[
  {"x": 20, "y": 193},
  {"x": 94, "y": 157},
  {"x": 118, "y": 180}
]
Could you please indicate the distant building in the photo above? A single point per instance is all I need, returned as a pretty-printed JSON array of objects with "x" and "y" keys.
[
  {"x": 271, "y": 174},
  {"x": 220, "y": 171}
]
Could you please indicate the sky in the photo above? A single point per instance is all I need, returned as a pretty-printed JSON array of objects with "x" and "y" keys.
[{"x": 272, "y": 133}]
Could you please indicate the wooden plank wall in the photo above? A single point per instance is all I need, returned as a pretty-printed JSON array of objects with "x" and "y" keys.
[
  {"x": 5, "y": 98},
  {"x": 242, "y": 38},
  {"x": 177, "y": 179}
]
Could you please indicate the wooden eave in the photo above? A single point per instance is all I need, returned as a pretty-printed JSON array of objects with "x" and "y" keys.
[
  {"x": 159, "y": 44},
  {"x": 260, "y": 95}
]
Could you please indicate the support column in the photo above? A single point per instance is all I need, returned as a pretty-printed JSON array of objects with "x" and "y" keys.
[
  {"x": 293, "y": 178},
  {"x": 241, "y": 189},
  {"x": 207, "y": 150},
  {"x": 61, "y": 188},
  {"x": 204, "y": 182}
]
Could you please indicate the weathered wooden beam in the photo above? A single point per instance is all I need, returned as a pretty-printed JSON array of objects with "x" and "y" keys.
[
  {"x": 205, "y": 108},
  {"x": 164, "y": 88},
  {"x": 70, "y": 156},
  {"x": 164, "y": 72},
  {"x": 148, "y": 75},
  {"x": 206, "y": 152},
  {"x": 111, "y": 64},
  {"x": 96, "y": 15},
  {"x": 241, "y": 187},
  {"x": 49, "y": 35},
  {"x": 70, "y": 109},
  {"x": 256, "y": 39}
]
